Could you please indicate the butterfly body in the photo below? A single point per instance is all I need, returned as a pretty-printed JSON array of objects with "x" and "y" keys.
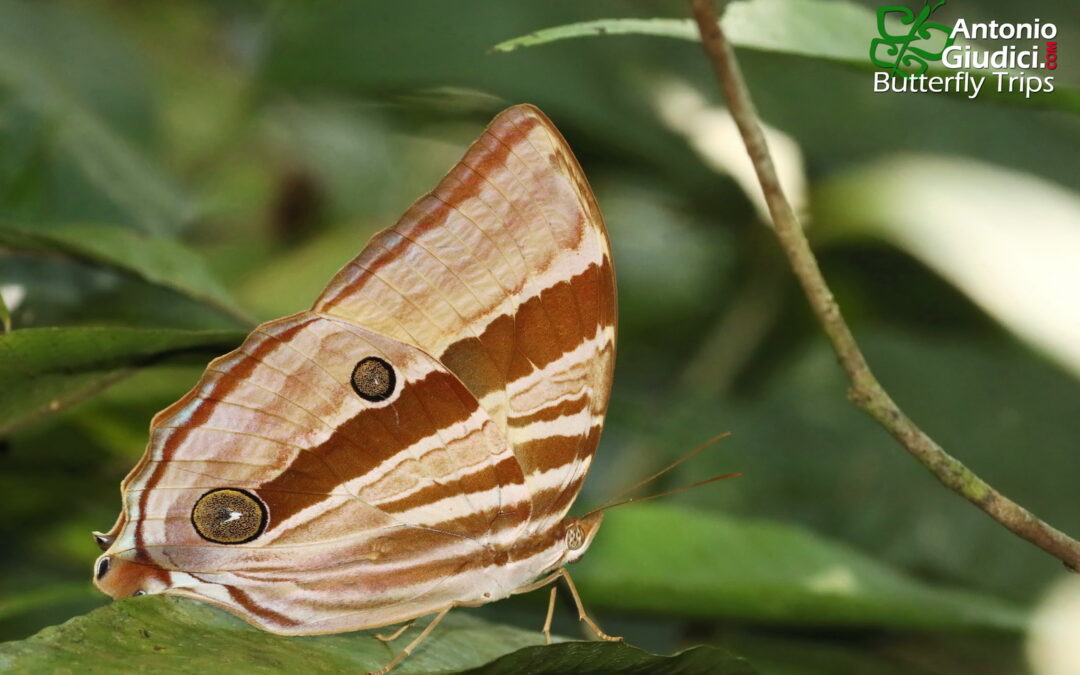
[{"x": 414, "y": 441}]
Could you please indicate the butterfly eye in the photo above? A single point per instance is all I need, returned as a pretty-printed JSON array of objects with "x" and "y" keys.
[
  {"x": 575, "y": 537},
  {"x": 373, "y": 379},
  {"x": 229, "y": 516}
]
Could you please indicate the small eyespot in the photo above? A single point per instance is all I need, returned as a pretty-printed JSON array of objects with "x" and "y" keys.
[
  {"x": 373, "y": 379},
  {"x": 229, "y": 516},
  {"x": 575, "y": 537},
  {"x": 102, "y": 568}
]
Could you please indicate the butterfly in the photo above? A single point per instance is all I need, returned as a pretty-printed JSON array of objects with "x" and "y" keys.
[{"x": 414, "y": 441}]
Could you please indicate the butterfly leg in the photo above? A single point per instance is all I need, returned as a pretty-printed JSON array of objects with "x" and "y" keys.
[
  {"x": 581, "y": 609},
  {"x": 396, "y": 634},
  {"x": 529, "y": 588},
  {"x": 414, "y": 644},
  {"x": 551, "y": 612}
]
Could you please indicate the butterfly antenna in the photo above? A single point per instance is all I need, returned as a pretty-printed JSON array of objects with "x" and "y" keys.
[
  {"x": 668, "y": 493},
  {"x": 614, "y": 501}
]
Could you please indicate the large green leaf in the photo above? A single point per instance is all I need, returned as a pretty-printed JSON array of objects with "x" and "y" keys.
[
  {"x": 43, "y": 370},
  {"x": 158, "y": 260},
  {"x": 162, "y": 634},
  {"x": 694, "y": 563},
  {"x": 830, "y": 30}
]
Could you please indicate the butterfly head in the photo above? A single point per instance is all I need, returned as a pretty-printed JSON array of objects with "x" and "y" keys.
[
  {"x": 119, "y": 577},
  {"x": 578, "y": 534},
  {"x": 118, "y": 574}
]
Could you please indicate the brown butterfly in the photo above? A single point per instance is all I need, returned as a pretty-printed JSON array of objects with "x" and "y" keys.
[{"x": 414, "y": 441}]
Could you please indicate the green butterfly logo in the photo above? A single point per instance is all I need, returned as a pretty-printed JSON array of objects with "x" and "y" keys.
[{"x": 909, "y": 54}]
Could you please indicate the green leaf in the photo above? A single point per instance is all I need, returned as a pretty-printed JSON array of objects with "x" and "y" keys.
[
  {"x": 162, "y": 634},
  {"x": 157, "y": 260},
  {"x": 43, "y": 370},
  {"x": 1027, "y": 229},
  {"x": 31, "y": 37},
  {"x": 614, "y": 658},
  {"x": 834, "y": 31},
  {"x": 680, "y": 29},
  {"x": 695, "y": 563}
]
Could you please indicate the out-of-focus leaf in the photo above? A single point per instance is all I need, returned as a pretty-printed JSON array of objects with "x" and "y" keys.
[
  {"x": 695, "y": 563},
  {"x": 877, "y": 654},
  {"x": 161, "y": 634},
  {"x": 829, "y": 30},
  {"x": 5, "y": 315},
  {"x": 43, "y": 370},
  {"x": 1008, "y": 240},
  {"x": 682, "y": 29},
  {"x": 158, "y": 260},
  {"x": 32, "y": 69},
  {"x": 13, "y": 604},
  {"x": 811, "y": 458},
  {"x": 614, "y": 658},
  {"x": 712, "y": 132},
  {"x": 1051, "y": 644}
]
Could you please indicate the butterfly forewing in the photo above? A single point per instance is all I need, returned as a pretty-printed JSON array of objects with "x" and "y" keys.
[{"x": 504, "y": 273}]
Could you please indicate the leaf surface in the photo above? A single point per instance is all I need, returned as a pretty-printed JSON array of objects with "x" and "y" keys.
[
  {"x": 681, "y": 561},
  {"x": 158, "y": 260},
  {"x": 162, "y": 634},
  {"x": 43, "y": 370}
]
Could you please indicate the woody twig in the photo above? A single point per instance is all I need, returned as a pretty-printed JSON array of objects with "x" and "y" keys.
[{"x": 865, "y": 391}]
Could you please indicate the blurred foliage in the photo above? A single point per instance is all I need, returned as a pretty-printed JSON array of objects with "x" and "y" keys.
[{"x": 168, "y": 168}]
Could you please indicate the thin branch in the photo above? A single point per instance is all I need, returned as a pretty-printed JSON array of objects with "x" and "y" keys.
[{"x": 865, "y": 391}]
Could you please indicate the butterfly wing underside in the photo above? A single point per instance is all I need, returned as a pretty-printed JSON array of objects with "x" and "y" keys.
[{"x": 493, "y": 298}]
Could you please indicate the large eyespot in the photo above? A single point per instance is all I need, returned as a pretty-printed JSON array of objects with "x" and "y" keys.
[
  {"x": 229, "y": 516},
  {"x": 373, "y": 379}
]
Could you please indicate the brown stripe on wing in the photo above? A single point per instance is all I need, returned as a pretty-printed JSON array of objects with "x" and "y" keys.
[
  {"x": 553, "y": 452},
  {"x": 568, "y": 407},
  {"x": 424, "y": 407},
  {"x": 260, "y": 610},
  {"x": 469, "y": 484},
  {"x": 543, "y": 329},
  {"x": 416, "y": 221}
]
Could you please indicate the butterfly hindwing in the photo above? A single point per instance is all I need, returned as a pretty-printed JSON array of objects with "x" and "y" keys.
[{"x": 358, "y": 493}]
